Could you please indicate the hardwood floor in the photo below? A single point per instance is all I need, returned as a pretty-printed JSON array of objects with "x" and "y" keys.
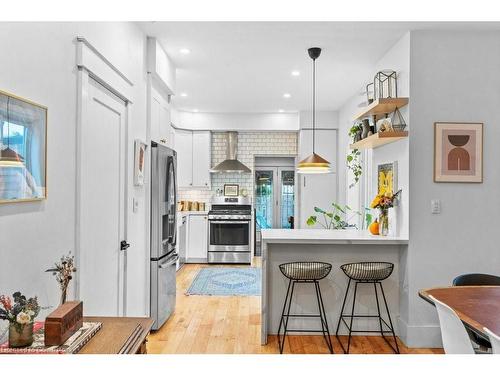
[{"x": 227, "y": 325}]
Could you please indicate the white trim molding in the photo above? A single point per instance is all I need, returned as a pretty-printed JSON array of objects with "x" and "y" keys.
[{"x": 102, "y": 70}]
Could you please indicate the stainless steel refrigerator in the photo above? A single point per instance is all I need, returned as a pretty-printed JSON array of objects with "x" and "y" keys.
[{"x": 163, "y": 232}]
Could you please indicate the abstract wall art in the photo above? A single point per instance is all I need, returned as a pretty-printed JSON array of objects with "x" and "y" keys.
[
  {"x": 23, "y": 149},
  {"x": 387, "y": 178},
  {"x": 458, "y": 152}
]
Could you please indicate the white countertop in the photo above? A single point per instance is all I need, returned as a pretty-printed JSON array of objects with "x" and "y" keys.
[{"x": 349, "y": 236}]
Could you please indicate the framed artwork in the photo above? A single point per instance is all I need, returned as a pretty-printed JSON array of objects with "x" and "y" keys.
[
  {"x": 139, "y": 161},
  {"x": 387, "y": 178},
  {"x": 23, "y": 149},
  {"x": 458, "y": 152},
  {"x": 231, "y": 190}
]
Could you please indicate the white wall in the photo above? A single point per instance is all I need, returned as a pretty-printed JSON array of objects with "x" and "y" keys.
[
  {"x": 454, "y": 77},
  {"x": 42, "y": 67},
  {"x": 236, "y": 121}
]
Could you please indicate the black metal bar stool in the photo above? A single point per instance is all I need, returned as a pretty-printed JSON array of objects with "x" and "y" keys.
[
  {"x": 367, "y": 273},
  {"x": 304, "y": 272}
]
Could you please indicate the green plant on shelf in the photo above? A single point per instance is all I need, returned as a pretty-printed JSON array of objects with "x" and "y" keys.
[{"x": 338, "y": 218}]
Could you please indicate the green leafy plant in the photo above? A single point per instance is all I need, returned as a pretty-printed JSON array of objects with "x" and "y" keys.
[
  {"x": 354, "y": 164},
  {"x": 338, "y": 218},
  {"x": 354, "y": 129}
]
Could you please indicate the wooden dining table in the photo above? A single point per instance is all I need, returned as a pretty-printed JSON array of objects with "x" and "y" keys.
[{"x": 476, "y": 306}]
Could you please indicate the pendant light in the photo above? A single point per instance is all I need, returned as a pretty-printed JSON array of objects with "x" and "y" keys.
[{"x": 314, "y": 163}]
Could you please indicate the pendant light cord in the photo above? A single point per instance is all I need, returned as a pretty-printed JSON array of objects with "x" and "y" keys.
[{"x": 314, "y": 103}]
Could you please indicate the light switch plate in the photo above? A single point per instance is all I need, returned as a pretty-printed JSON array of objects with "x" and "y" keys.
[{"x": 435, "y": 206}]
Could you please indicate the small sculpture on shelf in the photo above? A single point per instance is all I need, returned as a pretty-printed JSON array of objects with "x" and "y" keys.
[
  {"x": 397, "y": 121},
  {"x": 63, "y": 271},
  {"x": 385, "y": 84}
]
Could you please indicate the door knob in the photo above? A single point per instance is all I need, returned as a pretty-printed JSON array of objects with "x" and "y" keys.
[{"x": 124, "y": 245}]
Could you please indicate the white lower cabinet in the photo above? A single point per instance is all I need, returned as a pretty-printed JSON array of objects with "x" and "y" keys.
[{"x": 197, "y": 239}]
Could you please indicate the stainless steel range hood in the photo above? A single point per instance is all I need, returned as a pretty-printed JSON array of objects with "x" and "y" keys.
[{"x": 231, "y": 164}]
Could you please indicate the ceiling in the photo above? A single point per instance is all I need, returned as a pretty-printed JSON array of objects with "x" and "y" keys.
[{"x": 246, "y": 66}]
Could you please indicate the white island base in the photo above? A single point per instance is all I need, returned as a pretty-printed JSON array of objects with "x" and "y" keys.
[{"x": 336, "y": 247}]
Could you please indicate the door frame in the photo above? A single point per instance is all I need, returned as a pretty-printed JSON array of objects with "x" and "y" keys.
[{"x": 92, "y": 65}]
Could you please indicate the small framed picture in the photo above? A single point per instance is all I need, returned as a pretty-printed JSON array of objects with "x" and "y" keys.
[
  {"x": 387, "y": 178},
  {"x": 139, "y": 160},
  {"x": 458, "y": 152},
  {"x": 231, "y": 190}
]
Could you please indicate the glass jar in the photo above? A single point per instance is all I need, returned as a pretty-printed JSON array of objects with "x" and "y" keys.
[
  {"x": 383, "y": 221},
  {"x": 20, "y": 335}
]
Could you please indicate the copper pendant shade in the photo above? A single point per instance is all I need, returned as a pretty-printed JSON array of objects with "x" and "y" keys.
[{"x": 314, "y": 163}]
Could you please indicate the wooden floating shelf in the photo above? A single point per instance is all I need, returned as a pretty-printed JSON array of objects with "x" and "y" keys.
[
  {"x": 382, "y": 107},
  {"x": 379, "y": 139}
]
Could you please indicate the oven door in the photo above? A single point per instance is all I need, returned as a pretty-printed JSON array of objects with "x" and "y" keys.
[{"x": 229, "y": 235}]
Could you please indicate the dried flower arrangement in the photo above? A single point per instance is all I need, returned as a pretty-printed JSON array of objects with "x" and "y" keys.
[
  {"x": 63, "y": 272},
  {"x": 20, "y": 312}
]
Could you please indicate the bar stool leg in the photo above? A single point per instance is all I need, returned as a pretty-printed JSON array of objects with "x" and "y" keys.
[
  {"x": 322, "y": 314},
  {"x": 282, "y": 346},
  {"x": 352, "y": 317},
  {"x": 378, "y": 310},
  {"x": 342, "y": 309},
  {"x": 390, "y": 320},
  {"x": 283, "y": 315}
]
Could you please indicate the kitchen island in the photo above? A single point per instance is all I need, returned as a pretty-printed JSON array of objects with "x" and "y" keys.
[{"x": 336, "y": 247}]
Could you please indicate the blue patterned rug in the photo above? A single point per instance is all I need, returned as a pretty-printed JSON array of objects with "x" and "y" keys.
[{"x": 227, "y": 281}]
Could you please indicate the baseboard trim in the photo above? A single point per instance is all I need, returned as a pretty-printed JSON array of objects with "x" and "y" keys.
[{"x": 420, "y": 336}]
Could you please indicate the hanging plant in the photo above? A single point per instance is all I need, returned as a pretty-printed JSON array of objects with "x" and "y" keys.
[{"x": 354, "y": 164}]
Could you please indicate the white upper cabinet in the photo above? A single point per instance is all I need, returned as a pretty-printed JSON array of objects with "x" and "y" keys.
[
  {"x": 201, "y": 159},
  {"x": 193, "y": 158},
  {"x": 317, "y": 190},
  {"x": 161, "y": 128},
  {"x": 184, "y": 148},
  {"x": 160, "y": 66}
]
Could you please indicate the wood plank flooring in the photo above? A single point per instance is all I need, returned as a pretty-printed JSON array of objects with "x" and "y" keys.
[{"x": 231, "y": 324}]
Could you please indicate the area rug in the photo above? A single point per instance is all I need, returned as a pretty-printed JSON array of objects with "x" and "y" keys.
[{"x": 227, "y": 281}]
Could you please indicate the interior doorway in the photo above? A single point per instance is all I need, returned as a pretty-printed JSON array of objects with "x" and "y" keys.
[
  {"x": 102, "y": 194},
  {"x": 274, "y": 192}
]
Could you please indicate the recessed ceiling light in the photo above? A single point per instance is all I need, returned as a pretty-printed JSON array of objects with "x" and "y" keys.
[
  {"x": 183, "y": 94},
  {"x": 281, "y": 110},
  {"x": 195, "y": 110},
  {"x": 287, "y": 95},
  {"x": 185, "y": 51},
  {"x": 295, "y": 73}
]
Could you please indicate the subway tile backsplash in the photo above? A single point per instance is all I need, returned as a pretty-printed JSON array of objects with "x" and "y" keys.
[{"x": 249, "y": 144}]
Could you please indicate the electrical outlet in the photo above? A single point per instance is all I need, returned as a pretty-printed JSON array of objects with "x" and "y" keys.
[
  {"x": 435, "y": 206},
  {"x": 135, "y": 205}
]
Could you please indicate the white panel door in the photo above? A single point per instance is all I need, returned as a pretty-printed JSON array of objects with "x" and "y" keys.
[
  {"x": 201, "y": 159},
  {"x": 184, "y": 148},
  {"x": 102, "y": 201},
  {"x": 197, "y": 245},
  {"x": 318, "y": 190}
]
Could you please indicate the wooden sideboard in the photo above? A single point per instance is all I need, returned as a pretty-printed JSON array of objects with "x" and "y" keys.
[{"x": 118, "y": 336}]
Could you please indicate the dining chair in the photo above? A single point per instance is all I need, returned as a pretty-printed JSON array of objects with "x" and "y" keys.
[
  {"x": 455, "y": 337},
  {"x": 477, "y": 279},
  {"x": 494, "y": 340}
]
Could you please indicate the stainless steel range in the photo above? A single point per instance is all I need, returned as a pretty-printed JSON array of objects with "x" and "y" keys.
[{"x": 229, "y": 233}]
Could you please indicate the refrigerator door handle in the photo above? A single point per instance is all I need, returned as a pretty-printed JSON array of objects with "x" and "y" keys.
[{"x": 170, "y": 262}]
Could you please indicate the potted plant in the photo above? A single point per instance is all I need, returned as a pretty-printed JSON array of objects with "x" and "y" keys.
[
  {"x": 63, "y": 271},
  {"x": 383, "y": 202},
  {"x": 21, "y": 315},
  {"x": 336, "y": 219},
  {"x": 355, "y": 132}
]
